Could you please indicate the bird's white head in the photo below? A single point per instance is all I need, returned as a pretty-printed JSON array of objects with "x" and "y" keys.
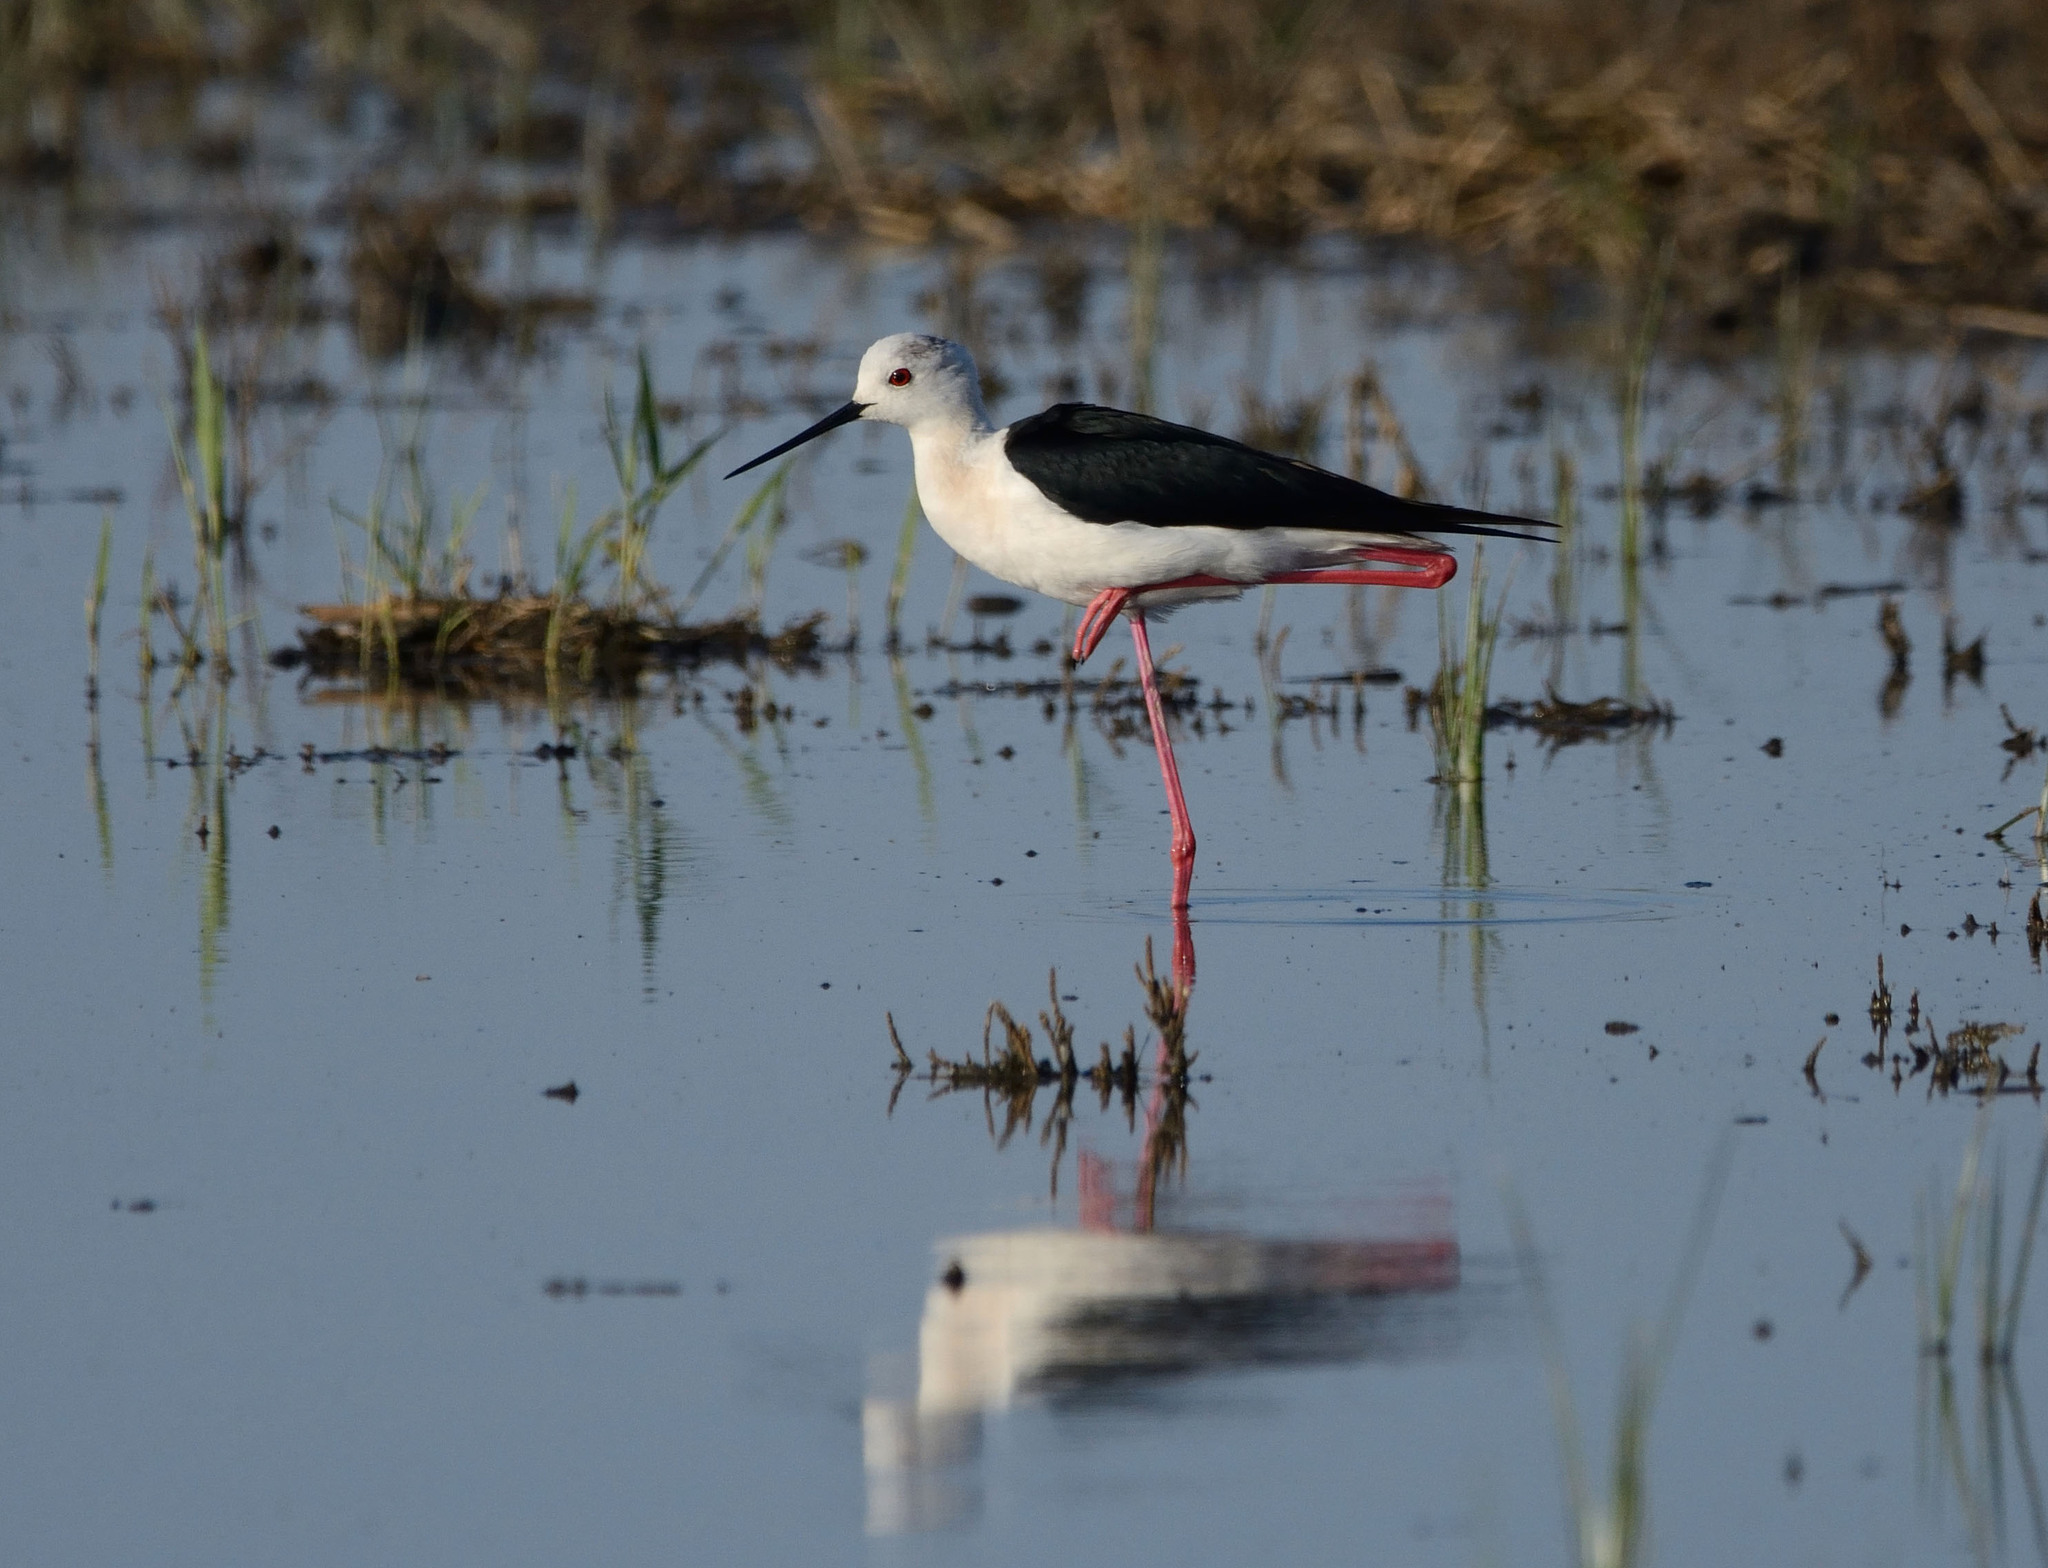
[{"x": 909, "y": 379}]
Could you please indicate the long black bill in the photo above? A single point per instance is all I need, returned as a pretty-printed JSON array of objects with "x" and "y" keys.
[{"x": 839, "y": 416}]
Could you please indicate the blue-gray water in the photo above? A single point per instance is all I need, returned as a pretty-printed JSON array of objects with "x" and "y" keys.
[{"x": 285, "y": 1199}]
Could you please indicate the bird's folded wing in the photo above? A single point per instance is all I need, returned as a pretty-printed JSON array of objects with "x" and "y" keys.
[{"x": 1104, "y": 465}]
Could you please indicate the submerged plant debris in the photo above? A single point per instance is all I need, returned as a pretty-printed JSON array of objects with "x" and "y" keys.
[
  {"x": 1013, "y": 1072},
  {"x": 575, "y": 1287},
  {"x": 1825, "y": 593},
  {"x": 1962, "y": 1059},
  {"x": 1561, "y": 723}
]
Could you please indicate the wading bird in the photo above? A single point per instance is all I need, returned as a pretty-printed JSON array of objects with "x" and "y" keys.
[{"x": 1126, "y": 514}]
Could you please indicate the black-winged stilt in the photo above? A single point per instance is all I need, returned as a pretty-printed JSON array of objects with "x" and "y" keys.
[{"x": 1122, "y": 513}]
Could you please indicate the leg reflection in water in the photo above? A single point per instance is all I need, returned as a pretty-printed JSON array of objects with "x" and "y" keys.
[{"x": 1183, "y": 934}]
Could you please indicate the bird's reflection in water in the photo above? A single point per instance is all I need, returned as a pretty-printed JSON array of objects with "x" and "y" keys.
[{"x": 1074, "y": 1315}]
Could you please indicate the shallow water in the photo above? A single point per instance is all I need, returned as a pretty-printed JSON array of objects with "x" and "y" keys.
[{"x": 305, "y": 1266}]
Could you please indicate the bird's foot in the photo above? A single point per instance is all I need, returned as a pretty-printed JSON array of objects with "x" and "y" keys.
[
  {"x": 1097, "y": 619},
  {"x": 1410, "y": 568}
]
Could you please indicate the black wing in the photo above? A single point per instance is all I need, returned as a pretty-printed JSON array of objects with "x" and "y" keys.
[{"x": 1108, "y": 466}]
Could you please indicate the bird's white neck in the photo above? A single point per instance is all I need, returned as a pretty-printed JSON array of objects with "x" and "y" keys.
[
  {"x": 944, "y": 440},
  {"x": 957, "y": 456},
  {"x": 959, "y": 413}
]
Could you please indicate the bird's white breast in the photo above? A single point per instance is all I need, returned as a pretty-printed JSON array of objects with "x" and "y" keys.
[{"x": 1004, "y": 524}]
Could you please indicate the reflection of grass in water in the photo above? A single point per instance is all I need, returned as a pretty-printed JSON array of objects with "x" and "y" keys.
[
  {"x": 145, "y": 654},
  {"x": 1082, "y": 774},
  {"x": 899, "y": 574},
  {"x": 1461, "y": 818},
  {"x": 206, "y": 821},
  {"x": 213, "y": 882},
  {"x": 95, "y": 605},
  {"x": 645, "y": 844},
  {"x": 913, "y": 741},
  {"x": 1612, "y": 1530},
  {"x": 1975, "y": 1226},
  {"x": 1269, "y": 657},
  {"x": 1978, "y": 1479},
  {"x": 755, "y": 783},
  {"x": 1014, "y": 1073},
  {"x": 570, "y": 813},
  {"x": 96, "y": 785},
  {"x": 963, "y": 704},
  {"x": 1976, "y": 1215},
  {"x": 849, "y": 556}
]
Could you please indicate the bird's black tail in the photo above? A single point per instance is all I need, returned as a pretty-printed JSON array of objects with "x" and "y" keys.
[{"x": 1432, "y": 517}]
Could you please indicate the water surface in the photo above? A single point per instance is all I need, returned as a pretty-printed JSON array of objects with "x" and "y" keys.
[{"x": 306, "y": 1267}]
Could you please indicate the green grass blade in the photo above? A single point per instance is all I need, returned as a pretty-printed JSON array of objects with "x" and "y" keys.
[
  {"x": 647, "y": 416},
  {"x": 769, "y": 490}
]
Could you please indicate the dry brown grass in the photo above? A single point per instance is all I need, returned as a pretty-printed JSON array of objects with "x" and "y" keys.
[
  {"x": 503, "y": 644},
  {"x": 1892, "y": 153},
  {"x": 1898, "y": 151}
]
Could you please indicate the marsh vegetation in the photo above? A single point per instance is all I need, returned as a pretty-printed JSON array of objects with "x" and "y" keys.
[
  {"x": 1872, "y": 163},
  {"x": 501, "y": 983}
]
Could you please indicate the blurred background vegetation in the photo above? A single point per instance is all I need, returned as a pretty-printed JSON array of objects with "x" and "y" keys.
[{"x": 1889, "y": 157}]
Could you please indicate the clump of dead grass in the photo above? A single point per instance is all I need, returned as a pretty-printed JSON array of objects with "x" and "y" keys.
[{"x": 503, "y": 643}]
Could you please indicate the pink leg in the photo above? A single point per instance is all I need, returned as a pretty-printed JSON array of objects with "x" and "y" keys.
[
  {"x": 1169, "y": 772},
  {"x": 1412, "y": 568},
  {"x": 1391, "y": 566}
]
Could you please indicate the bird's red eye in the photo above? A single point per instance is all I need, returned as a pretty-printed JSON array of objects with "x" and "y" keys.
[{"x": 899, "y": 377}]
